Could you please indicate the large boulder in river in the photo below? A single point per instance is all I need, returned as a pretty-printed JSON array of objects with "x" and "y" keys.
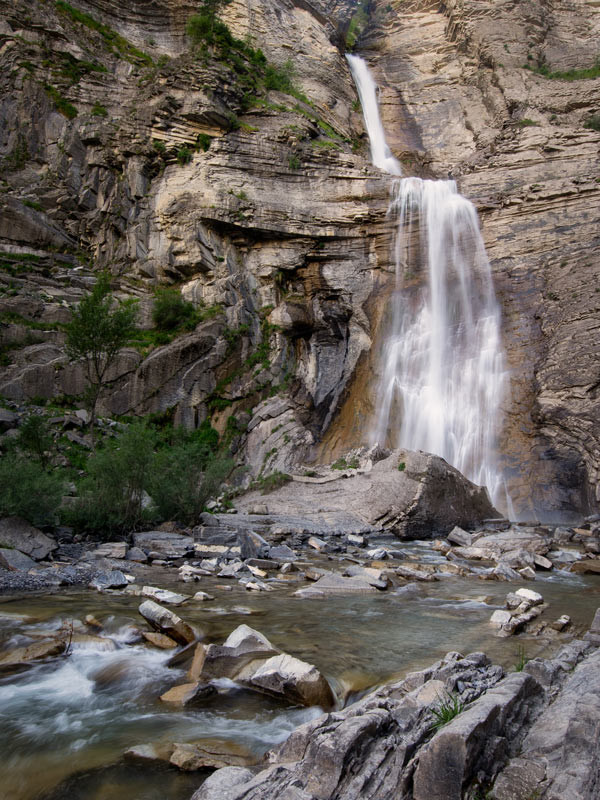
[
  {"x": 250, "y": 659},
  {"x": 414, "y": 494},
  {"x": 165, "y": 621},
  {"x": 18, "y": 534}
]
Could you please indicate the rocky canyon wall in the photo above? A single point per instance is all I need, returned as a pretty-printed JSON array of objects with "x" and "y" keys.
[{"x": 276, "y": 223}]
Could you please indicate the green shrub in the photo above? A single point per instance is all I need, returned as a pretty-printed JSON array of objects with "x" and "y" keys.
[
  {"x": 280, "y": 78},
  {"x": 294, "y": 162},
  {"x": 28, "y": 491},
  {"x": 341, "y": 463},
  {"x": 111, "y": 496},
  {"x": 98, "y": 110},
  {"x": 401, "y": 466},
  {"x": 35, "y": 438},
  {"x": 159, "y": 146},
  {"x": 180, "y": 470},
  {"x": 521, "y": 659},
  {"x": 593, "y": 123},
  {"x": 66, "y": 108},
  {"x": 185, "y": 476},
  {"x": 203, "y": 141},
  {"x": 527, "y": 123},
  {"x": 184, "y": 155},
  {"x": 171, "y": 311}
]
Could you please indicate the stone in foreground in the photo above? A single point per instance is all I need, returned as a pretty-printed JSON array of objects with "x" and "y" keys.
[{"x": 165, "y": 621}]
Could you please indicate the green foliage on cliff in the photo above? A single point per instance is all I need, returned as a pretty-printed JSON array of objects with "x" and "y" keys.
[
  {"x": 66, "y": 108},
  {"x": 114, "y": 42},
  {"x": 357, "y": 24},
  {"x": 171, "y": 312},
  {"x": 585, "y": 73}
]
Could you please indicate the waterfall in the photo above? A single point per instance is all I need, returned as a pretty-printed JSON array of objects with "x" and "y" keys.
[
  {"x": 381, "y": 155},
  {"x": 441, "y": 377}
]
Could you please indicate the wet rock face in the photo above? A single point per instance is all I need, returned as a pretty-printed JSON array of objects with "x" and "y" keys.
[{"x": 456, "y": 99}]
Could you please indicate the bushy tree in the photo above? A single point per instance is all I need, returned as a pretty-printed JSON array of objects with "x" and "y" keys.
[
  {"x": 98, "y": 329},
  {"x": 28, "y": 491},
  {"x": 111, "y": 496}
]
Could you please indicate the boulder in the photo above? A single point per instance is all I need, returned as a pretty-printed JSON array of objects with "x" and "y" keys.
[
  {"x": 460, "y": 537},
  {"x": 287, "y": 677},
  {"x": 222, "y": 784},
  {"x": 474, "y": 741},
  {"x": 374, "y": 577},
  {"x": 587, "y": 566},
  {"x": 252, "y": 545},
  {"x": 167, "y": 622},
  {"x": 109, "y": 580},
  {"x": 137, "y": 554},
  {"x": 427, "y": 498},
  {"x": 18, "y": 534},
  {"x": 15, "y": 560},
  {"x": 535, "y": 598},
  {"x": 283, "y": 553},
  {"x": 243, "y": 646}
]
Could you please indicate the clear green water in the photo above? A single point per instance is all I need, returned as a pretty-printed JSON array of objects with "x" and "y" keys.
[{"x": 66, "y": 723}]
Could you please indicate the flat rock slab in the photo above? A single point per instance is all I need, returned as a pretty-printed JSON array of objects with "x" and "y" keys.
[
  {"x": 332, "y": 583},
  {"x": 23, "y": 655},
  {"x": 19, "y": 534},
  {"x": 211, "y": 753},
  {"x": 170, "y": 545},
  {"x": 164, "y": 595}
]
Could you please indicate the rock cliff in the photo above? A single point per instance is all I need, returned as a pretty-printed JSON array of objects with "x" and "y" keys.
[{"x": 122, "y": 147}]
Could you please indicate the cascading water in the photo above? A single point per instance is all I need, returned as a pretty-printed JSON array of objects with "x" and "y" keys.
[{"x": 442, "y": 374}]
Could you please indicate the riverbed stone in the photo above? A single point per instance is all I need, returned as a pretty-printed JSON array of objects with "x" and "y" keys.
[
  {"x": 160, "y": 640},
  {"x": 252, "y": 544},
  {"x": 210, "y": 753},
  {"x": 116, "y": 550},
  {"x": 16, "y": 533},
  {"x": 332, "y": 583},
  {"x": 223, "y": 783},
  {"x": 588, "y": 566},
  {"x": 535, "y": 598},
  {"x": 167, "y": 622},
  {"x": 164, "y": 544},
  {"x": 243, "y": 646},
  {"x": 15, "y": 560},
  {"x": 458, "y": 536},
  {"x": 164, "y": 595},
  {"x": 115, "y": 579},
  {"x": 33, "y": 652},
  {"x": 137, "y": 555},
  {"x": 188, "y": 694},
  {"x": 294, "y": 680}
]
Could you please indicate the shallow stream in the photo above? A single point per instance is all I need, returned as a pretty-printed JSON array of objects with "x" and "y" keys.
[{"x": 66, "y": 723}]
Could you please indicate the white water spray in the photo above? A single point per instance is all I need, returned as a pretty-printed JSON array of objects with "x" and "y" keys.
[{"x": 442, "y": 374}]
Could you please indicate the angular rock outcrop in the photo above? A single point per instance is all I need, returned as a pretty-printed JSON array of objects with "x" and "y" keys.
[
  {"x": 517, "y": 735},
  {"x": 17, "y": 533}
]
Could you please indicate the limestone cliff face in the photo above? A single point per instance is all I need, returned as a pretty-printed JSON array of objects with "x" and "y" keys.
[{"x": 279, "y": 225}]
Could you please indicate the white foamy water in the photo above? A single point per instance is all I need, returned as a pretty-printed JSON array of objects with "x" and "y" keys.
[{"x": 442, "y": 375}]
